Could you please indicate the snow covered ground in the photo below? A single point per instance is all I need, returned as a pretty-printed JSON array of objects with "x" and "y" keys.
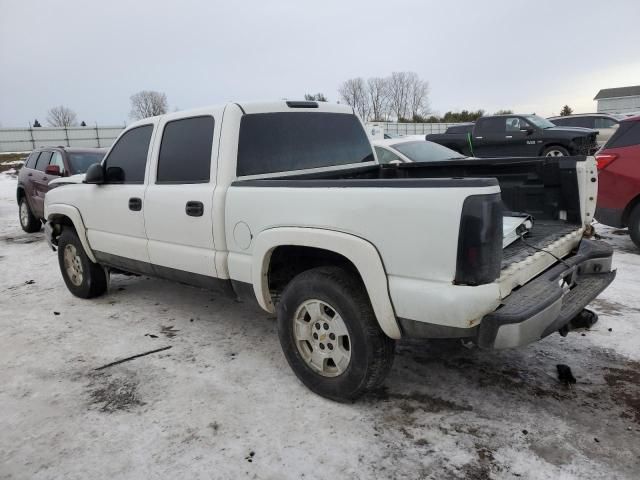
[{"x": 222, "y": 402}]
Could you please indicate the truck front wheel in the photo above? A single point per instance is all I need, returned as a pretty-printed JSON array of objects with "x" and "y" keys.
[
  {"x": 330, "y": 335},
  {"x": 84, "y": 278},
  {"x": 555, "y": 151}
]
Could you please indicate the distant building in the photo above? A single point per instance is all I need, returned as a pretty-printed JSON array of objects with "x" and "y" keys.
[{"x": 619, "y": 100}]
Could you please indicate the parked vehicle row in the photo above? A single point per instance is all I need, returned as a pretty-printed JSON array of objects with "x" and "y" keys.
[
  {"x": 516, "y": 135},
  {"x": 285, "y": 204}
]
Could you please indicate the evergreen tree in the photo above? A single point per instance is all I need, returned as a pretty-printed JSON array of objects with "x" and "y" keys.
[{"x": 566, "y": 111}]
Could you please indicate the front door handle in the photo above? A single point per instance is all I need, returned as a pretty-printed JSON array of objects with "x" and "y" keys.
[
  {"x": 135, "y": 204},
  {"x": 194, "y": 209}
]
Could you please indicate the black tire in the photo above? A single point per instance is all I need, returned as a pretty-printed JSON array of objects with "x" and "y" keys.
[
  {"x": 92, "y": 280},
  {"x": 561, "y": 151},
  {"x": 28, "y": 221},
  {"x": 371, "y": 351},
  {"x": 634, "y": 225}
]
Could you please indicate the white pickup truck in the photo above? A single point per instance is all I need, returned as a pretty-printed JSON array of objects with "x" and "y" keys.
[{"x": 285, "y": 203}]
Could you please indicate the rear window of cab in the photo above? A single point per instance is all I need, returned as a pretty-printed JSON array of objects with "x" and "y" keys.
[{"x": 288, "y": 141}]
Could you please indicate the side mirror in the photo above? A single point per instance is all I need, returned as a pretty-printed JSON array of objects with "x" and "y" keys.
[
  {"x": 95, "y": 174},
  {"x": 53, "y": 170},
  {"x": 528, "y": 130}
]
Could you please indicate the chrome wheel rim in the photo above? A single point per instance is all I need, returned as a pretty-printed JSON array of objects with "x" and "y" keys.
[
  {"x": 73, "y": 265},
  {"x": 24, "y": 213},
  {"x": 322, "y": 338},
  {"x": 554, "y": 153}
]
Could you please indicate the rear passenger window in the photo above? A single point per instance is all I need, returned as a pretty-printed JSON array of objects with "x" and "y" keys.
[
  {"x": 43, "y": 161},
  {"x": 628, "y": 134},
  {"x": 491, "y": 125},
  {"x": 127, "y": 159},
  {"x": 185, "y": 151},
  {"x": 31, "y": 161}
]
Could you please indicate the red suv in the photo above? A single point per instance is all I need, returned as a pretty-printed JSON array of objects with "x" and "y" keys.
[
  {"x": 43, "y": 165},
  {"x": 619, "y": 179}
]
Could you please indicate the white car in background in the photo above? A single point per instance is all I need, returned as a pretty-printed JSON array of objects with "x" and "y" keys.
[{"x": 413, "y": 149}]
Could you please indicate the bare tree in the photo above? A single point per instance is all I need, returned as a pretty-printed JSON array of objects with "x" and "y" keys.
[
  {"x": 354, "y": 93},
  {"x": 61, "y": 117},
  {"x": 418, "y": 96},
  {"x": 148, "y": 103},
  {"x": 399, "y": 85},
  {"x": 378, "y": 91}
]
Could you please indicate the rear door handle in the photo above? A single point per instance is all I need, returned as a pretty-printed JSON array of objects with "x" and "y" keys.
[
  {"x": 135, "y": 204},
  {"x": 194, "y": 208}
]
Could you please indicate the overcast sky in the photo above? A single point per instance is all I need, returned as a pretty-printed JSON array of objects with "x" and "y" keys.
[{"x": 528, "y": 56}]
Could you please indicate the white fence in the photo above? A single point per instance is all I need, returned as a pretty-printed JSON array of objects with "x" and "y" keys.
[
  {"x": 410, "y": 128},
  {"x": 26, "y": 139}
]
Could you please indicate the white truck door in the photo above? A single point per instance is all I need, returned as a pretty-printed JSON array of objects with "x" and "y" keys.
[
  {"x": 113, "y": 211},
  {"x": 179, "y": 199}
]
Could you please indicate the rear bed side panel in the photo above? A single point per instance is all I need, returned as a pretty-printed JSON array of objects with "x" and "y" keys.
[{"x": 415, "y": 231}]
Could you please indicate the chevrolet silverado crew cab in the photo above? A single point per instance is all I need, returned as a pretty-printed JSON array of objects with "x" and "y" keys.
[
  {"x": 285, "y": 204},
  {"x": 518, "y": 136}
]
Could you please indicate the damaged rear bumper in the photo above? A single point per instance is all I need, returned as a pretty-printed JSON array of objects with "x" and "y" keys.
[{"x": 550, "y": 301}]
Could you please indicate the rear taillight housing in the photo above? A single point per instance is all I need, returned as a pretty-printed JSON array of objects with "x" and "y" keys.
[
  {"x": 480, "y": 241},
  {"x": 605, "y": 159}
]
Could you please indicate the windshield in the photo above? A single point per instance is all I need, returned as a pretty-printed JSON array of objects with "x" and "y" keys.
[
  {"x": 424, "y": 151},
  {"x": 80, "y": 162},
  {"x": 539, "y": 121}
]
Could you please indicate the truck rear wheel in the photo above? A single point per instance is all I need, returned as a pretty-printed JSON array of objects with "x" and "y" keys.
[
  {"x": 84, "y": 278},
  {"x": 634, "y": 225},
  {"x": 330, "y": 335},
  {"x": 28, "y": 221}
]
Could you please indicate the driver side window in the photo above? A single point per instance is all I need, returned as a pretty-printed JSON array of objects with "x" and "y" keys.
[
  {"x": 127, "y": 160},
  {"x": 515, "y": 124}
]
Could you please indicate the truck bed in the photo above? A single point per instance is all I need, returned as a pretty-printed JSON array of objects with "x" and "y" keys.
[
  {"x": 543, "y": 234},
  {"x": 545, "y": 188}
]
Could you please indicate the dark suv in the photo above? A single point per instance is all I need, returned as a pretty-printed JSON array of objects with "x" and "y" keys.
[{"x": 43, "y": 165}]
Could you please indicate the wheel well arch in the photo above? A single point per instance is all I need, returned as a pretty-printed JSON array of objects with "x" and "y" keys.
[
  {"x": 629, "y": 208},
  {"x": 288, "y": 261},
  {"x": 61, "y": 219},
  {"x": 20, "y": 192}
]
